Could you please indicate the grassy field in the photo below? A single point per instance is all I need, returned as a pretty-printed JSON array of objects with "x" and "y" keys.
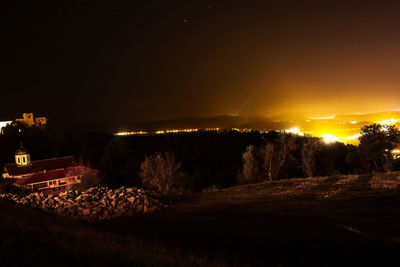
[{"x": 315, "y": 221}]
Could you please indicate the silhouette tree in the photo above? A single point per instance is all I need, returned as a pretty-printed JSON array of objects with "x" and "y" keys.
[
  {"x": 309, "y": 153},
  {"x": 163, "y": 172},
  {"x": 251, "y": 171},
  {"x": 276, "y": 154},
  {"x": 376, "y": 144}
]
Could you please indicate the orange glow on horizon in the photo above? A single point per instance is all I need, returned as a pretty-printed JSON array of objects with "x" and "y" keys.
[{"x": 329, "y": 129}]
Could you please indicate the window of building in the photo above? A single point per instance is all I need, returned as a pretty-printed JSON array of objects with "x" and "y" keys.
[
  {"x": 23, "y": 159},
  {"x": 61, "y": 182},
  {"x": 40, "y": 185}
]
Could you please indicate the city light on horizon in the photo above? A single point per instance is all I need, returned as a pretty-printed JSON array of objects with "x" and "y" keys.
[
  {"x": 388, "y": 122},
  {"x": 167, "y": 131},
  {"x": 328, "y": 129},
  {"x": 294, "y": 131}
]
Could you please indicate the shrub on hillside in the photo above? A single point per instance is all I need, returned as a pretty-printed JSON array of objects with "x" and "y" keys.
[
  {"x": 162, "y": 172},
  {"x": 251, "y": 171},
  {"x": 88, "y": 181}
]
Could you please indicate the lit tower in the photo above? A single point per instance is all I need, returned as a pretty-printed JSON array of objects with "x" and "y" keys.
[{"x": 22, "y": 158}]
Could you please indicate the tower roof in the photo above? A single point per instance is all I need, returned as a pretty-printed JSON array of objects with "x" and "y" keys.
[{"x": 21, "y": 150}]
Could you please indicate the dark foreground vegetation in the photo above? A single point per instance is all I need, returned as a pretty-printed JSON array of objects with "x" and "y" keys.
[{"x": 336, "y": 220}]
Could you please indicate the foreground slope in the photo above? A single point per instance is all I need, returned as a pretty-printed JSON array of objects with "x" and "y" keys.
[
  {"x": 327, "y": 220},
  {"x": 28, "y": 237},
  {"x": 321, "y": 221}
]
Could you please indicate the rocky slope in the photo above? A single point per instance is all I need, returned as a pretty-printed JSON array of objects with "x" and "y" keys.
[{"x": 97, "y": 203}]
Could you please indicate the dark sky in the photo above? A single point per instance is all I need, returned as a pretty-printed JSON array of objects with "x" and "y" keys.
[{"x": 125, "y": 61}]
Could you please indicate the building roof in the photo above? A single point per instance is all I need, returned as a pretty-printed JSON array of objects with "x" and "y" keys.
[
  {"x": 21, "y": 151},
  {"x": 39, "y": 165},
  {"x": 52, "y": 175}
]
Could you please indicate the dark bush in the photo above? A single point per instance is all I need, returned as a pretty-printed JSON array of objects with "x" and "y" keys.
[{"x": 88, "y": 181}]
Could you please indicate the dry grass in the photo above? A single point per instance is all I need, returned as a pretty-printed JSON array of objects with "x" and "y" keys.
[
  {"x": 385, "y": 181},
  {"x": 327, "y": 187},
  {"x": 342, "y": 185}
]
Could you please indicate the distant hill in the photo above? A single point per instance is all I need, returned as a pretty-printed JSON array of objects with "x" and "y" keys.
[
  {"x": 223, "y": 122},
  {"x": 278, "y": 122},
  {"x": 290, "y": 117},
  {"x": 369, "y": 117}
]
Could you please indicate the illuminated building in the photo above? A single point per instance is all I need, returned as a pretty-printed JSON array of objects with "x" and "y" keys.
[
  {"x": 28, "y": 119},
  {"x": 50, "y": 176}
]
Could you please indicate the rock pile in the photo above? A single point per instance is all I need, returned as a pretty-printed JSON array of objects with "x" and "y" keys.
[{"x": 97, "y": 203}]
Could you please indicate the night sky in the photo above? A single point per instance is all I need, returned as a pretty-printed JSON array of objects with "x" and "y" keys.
[{"x": 121, "y": 62}]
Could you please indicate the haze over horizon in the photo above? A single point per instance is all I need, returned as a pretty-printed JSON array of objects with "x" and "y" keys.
[{"x": 124, "y": 61}]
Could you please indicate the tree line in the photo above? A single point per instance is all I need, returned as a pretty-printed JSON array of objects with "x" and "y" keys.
[{"x": 197, "y": 161}]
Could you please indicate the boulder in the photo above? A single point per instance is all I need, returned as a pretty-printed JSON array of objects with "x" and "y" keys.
[{"x": 86, "y": 212}]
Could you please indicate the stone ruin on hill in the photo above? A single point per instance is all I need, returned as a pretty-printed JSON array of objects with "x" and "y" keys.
[{"x": 97, "y": 203}]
